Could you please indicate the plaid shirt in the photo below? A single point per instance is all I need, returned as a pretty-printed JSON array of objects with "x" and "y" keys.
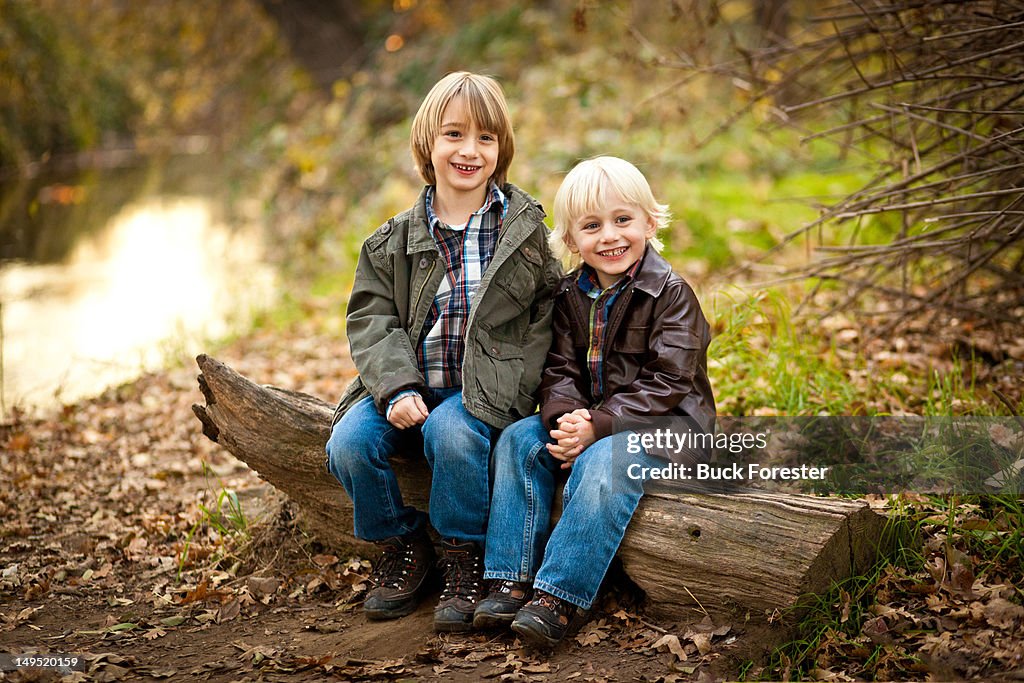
[
  {"x": 466, "y": 252},
  {"x": 600, "y": 311}
]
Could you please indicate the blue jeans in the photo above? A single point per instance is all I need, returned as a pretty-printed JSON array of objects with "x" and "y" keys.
[
  {"x": 598, "y": 501},
  {"x": 457, "y": 447}
]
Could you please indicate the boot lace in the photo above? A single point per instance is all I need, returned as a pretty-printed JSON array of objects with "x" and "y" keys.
[
  {"x": 462, "y": 576},
  {"x": 394, "y": 566},
  {"x": 560, "y": 608},
  {"x": 507, "y": 587}
]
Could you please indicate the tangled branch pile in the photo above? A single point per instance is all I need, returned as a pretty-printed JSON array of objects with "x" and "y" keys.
[
  {"x": 939, "y": 84},
  {"x": 929, "y": 93}
]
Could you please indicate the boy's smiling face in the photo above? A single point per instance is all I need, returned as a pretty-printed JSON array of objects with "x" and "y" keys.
[
  {"x": 464, "y": 156},
  {"x": 611, "y": 237}
]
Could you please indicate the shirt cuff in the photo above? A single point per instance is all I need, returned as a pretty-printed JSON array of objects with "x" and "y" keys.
[{"x": 396, "y": 398}]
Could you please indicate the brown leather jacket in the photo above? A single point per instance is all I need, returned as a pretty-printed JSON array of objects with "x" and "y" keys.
[{"x": 655, "y": 364}]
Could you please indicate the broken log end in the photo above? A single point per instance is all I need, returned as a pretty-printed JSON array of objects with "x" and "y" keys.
[{"x": 210, "y": 430}]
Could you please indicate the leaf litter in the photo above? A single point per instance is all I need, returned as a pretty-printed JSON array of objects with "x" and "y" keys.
[
  {"x": 129, "y": 538},
  {"x": 124, "y": 530}
]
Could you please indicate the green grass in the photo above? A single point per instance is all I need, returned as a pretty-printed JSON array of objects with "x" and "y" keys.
[
  {"x": 985, "y": 532},
  {"x": 762, "y": 362},
  {"x": 956, "y": 392},
  {"x": 991, "y": 530},
  {"x": 225, "y": 518}
]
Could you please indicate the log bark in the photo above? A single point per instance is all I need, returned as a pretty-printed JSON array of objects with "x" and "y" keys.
[{"x": 749, "y": 553}]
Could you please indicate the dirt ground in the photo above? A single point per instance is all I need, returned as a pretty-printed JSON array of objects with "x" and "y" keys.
[
  {"x": 132, "y": 542},
  {"x": 119, "y": 545},
  {"x": 315, "y": 641}
]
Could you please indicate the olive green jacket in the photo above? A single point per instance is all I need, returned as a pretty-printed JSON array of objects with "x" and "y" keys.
[{"x": 508, "y": 332}]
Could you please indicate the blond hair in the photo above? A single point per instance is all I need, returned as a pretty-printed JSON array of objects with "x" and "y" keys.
[
  {"x": 583, "y": 190},
  {"x": 485, "y": 101}
]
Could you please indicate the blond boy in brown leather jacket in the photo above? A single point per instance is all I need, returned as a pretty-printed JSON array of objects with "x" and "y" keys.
[{"x": 630, "y": 343}]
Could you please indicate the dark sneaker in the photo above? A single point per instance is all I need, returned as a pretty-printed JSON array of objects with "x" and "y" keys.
[
  {"x": 545, "y": 620},
  {"x": 463, "y": 567},
  {"x": 400, "y": 576},
  {"x": 500, "y": 606}
]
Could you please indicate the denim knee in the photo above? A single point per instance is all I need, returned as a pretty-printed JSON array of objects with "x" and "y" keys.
[
  {"x": 597, "y": 477},
  {"x": 452, "y": 432},
  {"x": 519, "y": 440},
  {"x": 525, "y": 431},
  {"x": 339, "y": 451},
  {"x": 354, "y": 439}
]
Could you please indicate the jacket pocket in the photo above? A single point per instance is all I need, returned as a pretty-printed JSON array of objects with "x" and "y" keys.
[
  {"x": 633, "y": 340},
  {"x": 499, "y": 370},
  {"x": 519, "y": 281},
  {"x": 681, "y": 348}
]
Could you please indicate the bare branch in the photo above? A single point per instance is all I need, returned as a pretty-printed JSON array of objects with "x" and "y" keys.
[{"x": 928, "y": 93}]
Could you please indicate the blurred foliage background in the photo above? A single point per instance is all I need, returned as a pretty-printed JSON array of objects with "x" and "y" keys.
[
  {"x": 82, "y": 75},
  {"x": 320, "y": 99},
  {"x": 778, "y": 131}
]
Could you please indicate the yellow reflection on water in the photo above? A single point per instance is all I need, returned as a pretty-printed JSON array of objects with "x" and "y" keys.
[{"x": 162, "y": 277}]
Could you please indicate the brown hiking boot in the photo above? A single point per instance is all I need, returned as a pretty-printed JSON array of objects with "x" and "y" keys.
[
  {"x": 500, "y": 606},
  {"x": 463, "y": 566},
  {"x": 545, "y": 620},
  {"x": 400, "y": 576}
]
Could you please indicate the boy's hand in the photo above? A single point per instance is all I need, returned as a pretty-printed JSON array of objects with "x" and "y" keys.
[
  {"x": 574, "y": 434},
  {"x": 408, "y": 411}
]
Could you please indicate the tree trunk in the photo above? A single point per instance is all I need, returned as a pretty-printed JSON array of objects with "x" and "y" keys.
[
  {"x": 327, "y": 37},
  {"x": 742, "y": 553}
]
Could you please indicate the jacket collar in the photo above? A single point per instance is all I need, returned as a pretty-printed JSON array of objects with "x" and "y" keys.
[
  {"x": 654, "y": 272},
  {"x": 419, "y": 238},
  {"x": 651, "y": 278}
]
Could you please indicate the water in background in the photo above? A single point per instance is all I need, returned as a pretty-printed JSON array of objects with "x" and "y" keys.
[{"x": 105, "y": 275}]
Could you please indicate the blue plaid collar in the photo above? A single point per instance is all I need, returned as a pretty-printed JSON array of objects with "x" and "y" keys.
[
  {"x": 587, "y": 280},
  {"x": 495, "y": 197}
]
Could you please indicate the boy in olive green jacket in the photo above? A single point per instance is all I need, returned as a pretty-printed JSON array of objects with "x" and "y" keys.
[{"x": 448, "y": 323}]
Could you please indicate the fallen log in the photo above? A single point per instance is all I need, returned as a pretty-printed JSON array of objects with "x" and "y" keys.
[{"x": 750, "y": 553}]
